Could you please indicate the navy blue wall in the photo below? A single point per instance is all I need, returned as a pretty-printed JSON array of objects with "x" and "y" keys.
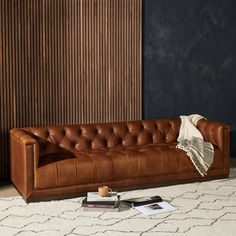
[{"x": 190, "y": 60}]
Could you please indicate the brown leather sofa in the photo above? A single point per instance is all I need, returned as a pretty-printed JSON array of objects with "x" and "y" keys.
[{"x": 59, "y": 161}]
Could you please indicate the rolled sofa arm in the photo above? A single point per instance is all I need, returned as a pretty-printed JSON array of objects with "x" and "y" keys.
[
  {"x": 215, "y": 132},
  {"x": 24, "y": 156}
]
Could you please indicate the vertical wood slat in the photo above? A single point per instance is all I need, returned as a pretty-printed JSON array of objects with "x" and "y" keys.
[{"x": 68, "y": 62}]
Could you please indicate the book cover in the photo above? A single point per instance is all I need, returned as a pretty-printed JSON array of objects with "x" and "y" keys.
[
  {"x": 99, "y": 204},
  {"x": 133, "y": 202},
  {"x": 95, "y": 197}
]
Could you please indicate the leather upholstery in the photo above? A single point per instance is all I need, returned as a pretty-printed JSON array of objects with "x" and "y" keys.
[
  {"x": 213, "y": 132},
  {"x": 90, "y": 154},
  {"x": 76, "y": 138}
]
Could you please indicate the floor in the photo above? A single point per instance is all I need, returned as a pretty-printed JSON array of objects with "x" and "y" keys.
[
  {"x": 10, "y": 191},
  {"x": 202, "y": 208}
]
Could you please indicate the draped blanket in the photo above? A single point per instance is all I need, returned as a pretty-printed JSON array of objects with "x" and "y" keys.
[{"x": 190, "y": 140}]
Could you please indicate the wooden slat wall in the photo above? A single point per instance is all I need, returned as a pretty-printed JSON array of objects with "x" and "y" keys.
[{"x": 67, "y": 62}]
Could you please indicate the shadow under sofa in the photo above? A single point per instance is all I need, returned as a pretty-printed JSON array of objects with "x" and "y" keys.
[{"x": 62, "y": 161}]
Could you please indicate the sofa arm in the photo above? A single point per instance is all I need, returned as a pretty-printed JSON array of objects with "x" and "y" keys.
[
  {"x": 219, "y": 135},
  {"x": 22, "y": 137},
  {"x": 24, "y": 158},
  {"x": 215, "y": 133}
]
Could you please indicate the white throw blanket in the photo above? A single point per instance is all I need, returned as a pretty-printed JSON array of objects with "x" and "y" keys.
[{"x": 190, "y": 140}]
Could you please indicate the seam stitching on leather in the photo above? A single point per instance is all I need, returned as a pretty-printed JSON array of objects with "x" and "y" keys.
[
  {"x": 56, "y": 174},
  {"x": 75, "y": 171}
]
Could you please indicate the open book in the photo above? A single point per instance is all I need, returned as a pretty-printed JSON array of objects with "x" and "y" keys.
[
  {"x": 140, "y": 201},
  {"x": 155, "y": 208}
]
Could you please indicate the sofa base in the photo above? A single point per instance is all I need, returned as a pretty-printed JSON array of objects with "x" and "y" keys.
[{"x": 122, "y": 185}]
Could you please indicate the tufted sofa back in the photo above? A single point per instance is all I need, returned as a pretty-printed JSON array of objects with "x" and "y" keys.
[{"x": 76, "y": 138}]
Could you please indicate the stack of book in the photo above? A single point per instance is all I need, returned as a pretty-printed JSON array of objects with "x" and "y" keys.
[{"x": 94, "y": 202}]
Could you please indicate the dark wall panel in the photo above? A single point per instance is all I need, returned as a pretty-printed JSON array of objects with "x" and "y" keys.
[
  {"x": 189, "y": 57},
  {"x": 67, "y": 62}
]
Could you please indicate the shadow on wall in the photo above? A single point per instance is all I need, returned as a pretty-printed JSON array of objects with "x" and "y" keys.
[{"x": 233, "y": 143}]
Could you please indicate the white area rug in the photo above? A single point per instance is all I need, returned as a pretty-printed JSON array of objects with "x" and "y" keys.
[{"x": 207, "y": 208}]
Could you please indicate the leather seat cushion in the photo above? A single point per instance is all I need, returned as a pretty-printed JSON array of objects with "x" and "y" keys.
[{"x": 118, "y": 163}]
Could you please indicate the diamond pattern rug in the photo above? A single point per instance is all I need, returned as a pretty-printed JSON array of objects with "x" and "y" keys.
[{"x": 206, "y": 208}]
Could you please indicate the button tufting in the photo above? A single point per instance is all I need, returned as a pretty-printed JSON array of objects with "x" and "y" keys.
[
  {"x": 48, "y": 133},
  {"x": 64, "y": 132},
  {"x": 72, "y": 143}
]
